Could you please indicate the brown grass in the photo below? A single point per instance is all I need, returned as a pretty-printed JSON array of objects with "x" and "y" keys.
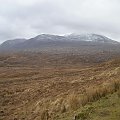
[
  {"x": 118, "y": 93},
  {"x": 93, "y": 94},
  {"x": 31, "y": 91},
  {"x": 45, "y": 114},
  {"x": 73, "y": 101}
]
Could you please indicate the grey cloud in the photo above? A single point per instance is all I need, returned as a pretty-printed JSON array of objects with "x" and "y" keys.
[{"x": 27, "y": 18}]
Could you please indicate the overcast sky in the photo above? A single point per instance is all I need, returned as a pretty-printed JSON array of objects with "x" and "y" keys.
[{"x": 28, "y": 18}]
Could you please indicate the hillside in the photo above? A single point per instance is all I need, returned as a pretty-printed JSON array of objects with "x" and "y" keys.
[
  {"x": 33, "y": 89},
  {"x": 107, "y": 108},
  {"x": 47, "y": 42},
  {"x": 9, "y": 44}
]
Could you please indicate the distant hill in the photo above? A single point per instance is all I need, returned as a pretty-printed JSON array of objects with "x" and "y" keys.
[
  {"x": 9, "y": 44},
  {"x": 56, "y": 42}
]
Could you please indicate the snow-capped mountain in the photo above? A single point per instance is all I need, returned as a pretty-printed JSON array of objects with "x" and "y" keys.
[
  {"x": 48, "y": 37},
  {"x": 91, "y": 37},
  {"x": 45, "y": 41}
]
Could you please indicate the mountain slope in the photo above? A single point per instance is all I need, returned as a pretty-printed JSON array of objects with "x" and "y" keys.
[
  {"x": 11, "y": 43},
  {"x": 48, "y": 42},
  {"x": 92, "y": 38}
]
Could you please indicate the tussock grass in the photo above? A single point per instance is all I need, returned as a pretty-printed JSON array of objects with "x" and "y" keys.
[
  {"x": 74, "y": 101},
  {"x": 118, "y": 93},
  {"x": 45, "y": 114},
  {"x": 93, "y": 94}
]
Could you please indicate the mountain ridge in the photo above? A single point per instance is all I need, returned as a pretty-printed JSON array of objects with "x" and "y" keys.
[{"x": 51, "y": 41}]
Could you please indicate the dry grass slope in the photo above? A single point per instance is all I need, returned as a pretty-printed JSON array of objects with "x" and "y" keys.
[{"x": 47, "y": 88}]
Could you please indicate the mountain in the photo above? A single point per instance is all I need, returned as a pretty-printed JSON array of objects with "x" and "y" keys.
[
  {"x": 91, "y": 37},
  {"x": 48, "y": 42},
  {"x": 48, "y": 37},
  {"x": 9, "y": 44}
]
